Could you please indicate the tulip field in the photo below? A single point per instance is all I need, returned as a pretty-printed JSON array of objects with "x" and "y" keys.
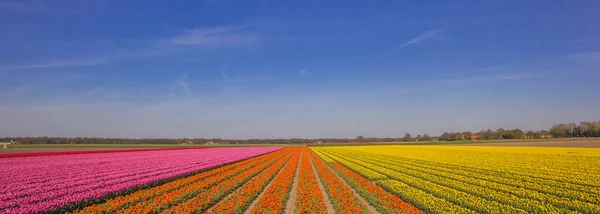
[
  {"x": 320, "y": 179},
  {"x": 463, "y": 179}
]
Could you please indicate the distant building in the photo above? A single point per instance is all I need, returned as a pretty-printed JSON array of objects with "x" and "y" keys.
[
  {"x": 475, "y": 137},
  {"x": 5, "y": 143}
]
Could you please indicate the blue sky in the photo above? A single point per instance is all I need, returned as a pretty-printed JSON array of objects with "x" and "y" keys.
[{"x": 250, "y": 69}]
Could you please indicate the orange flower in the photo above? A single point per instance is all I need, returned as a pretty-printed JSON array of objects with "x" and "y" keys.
[
  {"x": 166, "y": 195},
  {"x": 341, "y": 196},
  {"x": 274, "y": 198},
  {"x": 309, "y": 198},
  {"x": 383, "y": 200},
  {"x": 240, "y": 199}
]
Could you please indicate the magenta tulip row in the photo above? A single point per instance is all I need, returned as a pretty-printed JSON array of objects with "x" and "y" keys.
[{"x": 36, "y": 184}]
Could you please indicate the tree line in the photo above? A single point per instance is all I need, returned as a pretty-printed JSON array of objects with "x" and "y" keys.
[{"x": 582, "y": 129}]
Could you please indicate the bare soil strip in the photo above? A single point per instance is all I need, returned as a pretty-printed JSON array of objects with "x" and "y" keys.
[
  {"x": 253, "y": 204},
  {"x": 291, "y": 203},
  {"x": 325, "y": 197},
  {"x": 360, "y": 198}
]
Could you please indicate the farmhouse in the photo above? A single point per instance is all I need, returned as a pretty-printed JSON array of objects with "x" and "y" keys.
[{"x": 5, "y": 143}]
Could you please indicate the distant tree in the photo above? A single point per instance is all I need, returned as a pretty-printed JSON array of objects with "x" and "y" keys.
[
  {"x": 426, "y": 137},
  {"x": 593, "y": 129},
  {"x": 560, "y": 130},
  {"x": 513, "y": 134},
  {"x": 578, "y": 130},
  {"x": 445, "y": 136},
  {"x": 530, "y": 134},
  {"x": 466, "y": 136},
  {"x": 360, "y": 138},
  {"x": 499, "y": 133},
  {"x": 407, "y": 137},
  {"x": 418, "y": 138}
]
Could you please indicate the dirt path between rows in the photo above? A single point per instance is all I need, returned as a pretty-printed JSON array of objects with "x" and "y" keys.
[
  {"x": 370, "y": 208},
  {"x": 328, "y": 204},
  {"x": 253, "y": 204},
  {"x": 291, "y": 202}
]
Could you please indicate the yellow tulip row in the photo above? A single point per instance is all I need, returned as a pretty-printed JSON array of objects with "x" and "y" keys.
[
  {"x": 323, "y": 156},
  {"x": 366, "y": 172},
  {"x": 488, "y": 182},
  {"x": 548, "y": 186},
  {"x": 565, "y": 165},
  {"x": 422, "y": 199},
  {"x": 453, "y": 195},
  {"x": 568, "y": 199},
  {"x": 525, "y": 180}
]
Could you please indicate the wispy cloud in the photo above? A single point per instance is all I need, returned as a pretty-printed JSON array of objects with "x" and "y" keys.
[
  {"x": 591, "y": 56},
  {"x": 303, "y": 72},
  {"x": 205, "y": 38},
  {"x": 64, "y": 63},
  {"x": 92, "y": 60},
  {"x": 512, "y": 76},
  {"x": 21, "y": 5},
  {"x": 182, "y": 87},
  {"x": 223, "y": 75},
  {"x": 484, "y": 78},
  {"x": 92, "y": 92},
  {"x": 423, "y": 37},
  {"x": 217, "y": 37},
  {"x": 182, "y": 83},
  {"x": 586, "y": 39}
]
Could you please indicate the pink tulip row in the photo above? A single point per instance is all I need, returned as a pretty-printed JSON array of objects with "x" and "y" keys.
[
  {"x": 36, "y": 184},
  {"x": 31, "y": 154}
]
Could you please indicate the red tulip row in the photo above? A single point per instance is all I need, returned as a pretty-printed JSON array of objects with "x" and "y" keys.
[
  {"x": 179, "y": 188},
  {"x": 211, "y": 195},
  {"x": 382, "y": 200},
  {"x": 309, "y": 198},
  {"x": 275, "y": 197},
  {"x": 240, "y": 199},
  {"x": 341, "y": 196},
  {"x": 62, "y": 183}
]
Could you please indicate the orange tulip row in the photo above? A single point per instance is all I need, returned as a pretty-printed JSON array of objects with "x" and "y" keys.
[
  {"x": 309, "y": 198},
  {"x": 184, "y": 186},
  {"x": 205, "y": 199},
  {"x": 275, "y": 197},
  {"x": 240, "y": 199},
  {"x": 341, "y": 196},
  {"x": 382, "y": 200}
]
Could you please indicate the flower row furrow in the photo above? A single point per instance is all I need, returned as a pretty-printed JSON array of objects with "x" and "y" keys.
[
  {"x": 215, "y": 193},
  {"x": 490, "y": 190},
  {"x": 309, "y": 198},
  {"x": 240, "y": 199},
  {"x": 341, "y": 196},
  {"x": 445, "y": 179},
  {"x": 200, "y": 188},
  {"x": 382, "y": 200},
  {"x": 125, "y": 201},
  {"x": 275, "y": 196},
  {"x": 524, "y": 187},
  {"x": 50, "y": 182},
  {"x": 469, "y": 196}
]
